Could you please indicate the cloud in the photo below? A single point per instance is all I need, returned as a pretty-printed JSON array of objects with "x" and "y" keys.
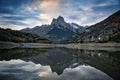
[
  {"x": 90, "y": 12},
  {"x": 14, "y": 14},
  {"x": 45, "y": 17},
  {"x": 12, "y": 25},
  {"x": 48, "y": 8},
  {"x": 13, "y": 6},
  {"x": 49, "y": 5},
  {"x": 37, "y": 12}
]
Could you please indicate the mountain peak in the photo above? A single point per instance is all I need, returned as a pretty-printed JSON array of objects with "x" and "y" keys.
[{"x": 60, "y": 19}]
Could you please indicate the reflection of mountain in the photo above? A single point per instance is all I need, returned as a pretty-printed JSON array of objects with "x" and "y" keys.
[
  {"x": 57, "y": 58},
  {"x": 8, "y": 54},
  {"x": 62, "y": 58},
  {"x": 103, "y": 60}
]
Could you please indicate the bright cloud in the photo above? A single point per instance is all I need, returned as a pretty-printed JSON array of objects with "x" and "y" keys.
[
  {"x": 49, "y": 5},
  {"x": 46, "y": 18},
  {"x": 48, "y": 8}
]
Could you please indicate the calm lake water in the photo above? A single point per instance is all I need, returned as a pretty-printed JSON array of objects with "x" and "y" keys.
[{"x": 59, "y": 64}]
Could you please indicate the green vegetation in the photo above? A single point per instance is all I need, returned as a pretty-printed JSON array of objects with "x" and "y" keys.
[
  {"x": 112, "y": 38},
  {"x": 115, "y": 37},
  {"x": 17, "y": 36}
]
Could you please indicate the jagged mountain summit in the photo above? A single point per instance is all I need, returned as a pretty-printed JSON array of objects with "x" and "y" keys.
[
  {"x": 58, "y": 31},
  {"x": 105, "y": 30}
]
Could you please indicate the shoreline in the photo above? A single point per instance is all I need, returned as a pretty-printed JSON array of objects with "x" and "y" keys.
[{"x": 89, "y": 46}]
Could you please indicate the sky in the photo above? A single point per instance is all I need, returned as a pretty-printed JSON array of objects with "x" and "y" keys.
[{"x": 19, "y": 14}]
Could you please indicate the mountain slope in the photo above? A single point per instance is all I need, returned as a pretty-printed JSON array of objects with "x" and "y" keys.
[
  {"x": 17, "y": 36},
  {"x": 99, "y": 31},
  {"x": 57, "y": 32}
]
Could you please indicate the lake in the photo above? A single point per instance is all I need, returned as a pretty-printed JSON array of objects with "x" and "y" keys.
[{"x": 59, "y": 63}]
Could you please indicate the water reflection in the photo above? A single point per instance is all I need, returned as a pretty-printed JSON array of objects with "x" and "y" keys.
[
  {"x": 21, "y": 70},
  {"x": 60, "y": 63}
]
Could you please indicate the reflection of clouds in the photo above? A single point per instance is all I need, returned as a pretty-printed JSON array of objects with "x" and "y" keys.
[
  {"x": 30, "y": 71},
  {"x": 84, "y": 73}
]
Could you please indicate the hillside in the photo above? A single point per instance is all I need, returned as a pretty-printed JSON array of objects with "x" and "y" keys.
[
  {"x": 104, "y": 31},
  {"x": 17, "y": 36}
]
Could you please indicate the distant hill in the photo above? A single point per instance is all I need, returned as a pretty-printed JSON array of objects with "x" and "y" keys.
[
  {"x": 107, "y": 30},
  {"x": 17, "y": 36}
]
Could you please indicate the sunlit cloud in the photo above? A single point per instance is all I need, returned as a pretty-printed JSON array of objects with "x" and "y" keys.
[
  {"x": 46, "y": 18},
  {"x": 49, "y": 5},
  {"x": 48, "y": 8}
]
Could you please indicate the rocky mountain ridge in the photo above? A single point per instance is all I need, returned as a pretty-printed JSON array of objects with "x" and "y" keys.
[{"x": 58, "y": 31}]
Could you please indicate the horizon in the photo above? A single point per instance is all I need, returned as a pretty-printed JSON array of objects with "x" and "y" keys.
[{"x": 20, "y": 14}]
